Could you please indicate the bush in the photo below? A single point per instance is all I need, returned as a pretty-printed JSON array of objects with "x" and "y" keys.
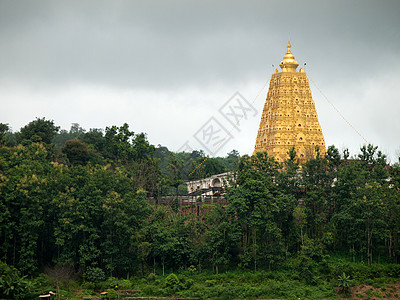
[
  {"x": 151, "y": 277},
  {"x": 172, "y": 281},
  {"x": 94, "y": 275},
  {"x": 378, "y": 294},
  {"x": 111, "y": 294},
  {"x": 113, "y": 283},
  {"x": 151, "y": 290},
  {"x": 192, "y": 269},
  {"x": 344, "y": 283},
  {"x": 12, "y": 285},
  {"x": 88, "y": 285},
  {"x": 210, "y": 282},
  {"x": 369, "y": 293},
  {"x": 125, "y": 285}
]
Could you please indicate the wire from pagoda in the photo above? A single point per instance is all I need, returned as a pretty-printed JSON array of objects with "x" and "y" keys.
[
  {"x": 229, "y": 133},
  {"x": 340, "y": 114}
]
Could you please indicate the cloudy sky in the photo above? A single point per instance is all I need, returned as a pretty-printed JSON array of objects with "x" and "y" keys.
[{"x": 168, "y": 67}]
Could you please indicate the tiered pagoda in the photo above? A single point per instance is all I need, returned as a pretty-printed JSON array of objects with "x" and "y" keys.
[{"x": 289, "y": 117}]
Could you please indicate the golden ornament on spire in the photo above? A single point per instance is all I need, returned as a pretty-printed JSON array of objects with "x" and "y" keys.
[{"x": 289, "y": 64}]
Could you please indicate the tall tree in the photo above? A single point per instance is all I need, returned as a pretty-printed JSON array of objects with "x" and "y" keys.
[{"x": 38, "y": 130}]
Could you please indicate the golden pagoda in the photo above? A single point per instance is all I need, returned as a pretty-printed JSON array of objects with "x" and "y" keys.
[{"x": 289, "y": 117}]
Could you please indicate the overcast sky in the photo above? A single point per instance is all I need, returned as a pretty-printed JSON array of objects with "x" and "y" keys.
[{"x": 167, "y": 67}]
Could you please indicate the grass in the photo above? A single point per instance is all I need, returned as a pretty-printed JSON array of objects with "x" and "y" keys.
[{"x": 285, "y": 283}]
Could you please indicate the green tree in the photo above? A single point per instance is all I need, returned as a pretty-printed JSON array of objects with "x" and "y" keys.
[
  {"x": 38, "y": 130},
  {"x": 95, "y": 137},
  {"x": 75, "y": 132},
  {"x": 289, "y": 178},
  {"x": 4, "y": 129},
  {"x": 262, "y": 211},
  {"x": 76, "y": 151},
  {"x": 300, "y": 217},
  {"x": 220, "y": 245},
  {"x": 317, "y": 180},
  {"x": 26, "y": 191}
]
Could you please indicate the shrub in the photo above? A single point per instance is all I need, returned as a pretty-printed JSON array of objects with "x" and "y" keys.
[
  {"x": 88, "y": 285},
  {"x": 344, "y": 283},
  {"x": 125, "y": 285},
  {"x": 185, "y": 283},
  {"x": 151, "y": 277},
  {"x": 12, "y": 285},
  {"x": 111, "y": 294},
  {"x": 94, "y": 275},
  {"x": 171, "y": 281},
  {"x": 151, "y": 290},
  {"x": 113, "y": 283},
  {"x": 369, "y": 293},
  {"x": 210, "y": 282},
  {"x": 192, "y": 269},
  {"x": 378, "y": 294}
]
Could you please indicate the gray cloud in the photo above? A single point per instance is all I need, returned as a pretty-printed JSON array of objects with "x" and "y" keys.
[{"x": 155, "y": 48}]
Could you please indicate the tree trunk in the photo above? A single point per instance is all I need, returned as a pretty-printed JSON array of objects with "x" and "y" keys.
[
  {"x": 255, "y": 248},
  {"x": 15, "y": 245},
  {"x": 368, "y": 240},
  {"x": 301, "y": 235},
  {"x": 371, "y": 255}
]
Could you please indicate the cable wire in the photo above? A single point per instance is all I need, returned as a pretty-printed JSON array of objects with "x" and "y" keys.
[{"x": 340, "y": 114}]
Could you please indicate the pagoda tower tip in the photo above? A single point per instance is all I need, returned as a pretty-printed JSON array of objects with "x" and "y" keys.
[{"x": 288, "y": 64}]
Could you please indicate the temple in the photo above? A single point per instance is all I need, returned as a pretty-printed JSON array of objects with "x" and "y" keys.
[{"x": 289, "y": 118}]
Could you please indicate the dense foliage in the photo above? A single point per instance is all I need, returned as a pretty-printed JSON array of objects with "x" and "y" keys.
[{"x": 79, "y": 199}]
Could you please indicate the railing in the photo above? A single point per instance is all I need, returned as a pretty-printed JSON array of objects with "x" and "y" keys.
[{"x": 187, "y": 200}]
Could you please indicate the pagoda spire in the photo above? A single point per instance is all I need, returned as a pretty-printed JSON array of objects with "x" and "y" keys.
[{"x": 288, "y": 64}]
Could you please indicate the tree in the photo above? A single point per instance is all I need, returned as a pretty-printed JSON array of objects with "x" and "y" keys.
[
  {"x": 260, "y": 209},
  {"x": 38, "y": 130},
  {"x": 301, "y": 219},
  {"x": 4, "y": 129},
  {"x": 220, "y": 245},
  {"x": 75, "y": 132},
  {"x": 76, "y": 151},
  {"x": 289, "y": 178},
  {"x": 317, "y": 180},
  {"x": 333, "y": 156},
  {"x": 26, "y": 204},
  {"x": 175, "y": 171},
  {"x": 95, "y": 137},
  {"x": 170, "y": 238},
  {"x": 232, "y": 160}
]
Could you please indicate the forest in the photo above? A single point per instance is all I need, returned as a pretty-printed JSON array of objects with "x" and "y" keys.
[{"x": 74, "y": 215}]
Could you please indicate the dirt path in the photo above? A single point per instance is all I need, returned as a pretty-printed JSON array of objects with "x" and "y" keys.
[{"x": 364, "y": 291}]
